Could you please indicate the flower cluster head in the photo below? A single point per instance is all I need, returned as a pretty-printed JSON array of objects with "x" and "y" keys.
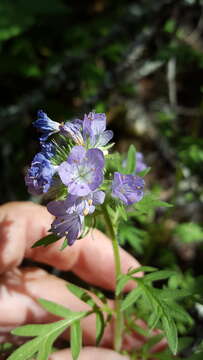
[
  {"x": 73, "y": 160},
  {"x": 91, "y": 130}
]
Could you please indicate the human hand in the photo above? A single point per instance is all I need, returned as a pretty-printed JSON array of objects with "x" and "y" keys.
[{"x": 91, "y": 258}]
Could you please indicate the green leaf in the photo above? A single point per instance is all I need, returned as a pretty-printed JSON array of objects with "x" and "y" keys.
[
  {"x": 163, "y": 312},
  {"x": 154, "y": 317},
  {"x": 171, "y": 333},
  {"x": 99, "y": 294},
  {"x": 131, "y": 298},
  {"x": 151, "y": 342},
  {"x": 45, "y": 346},
  {"x": 159, "y": 275},
  {"x": 124, "y": 278},
  {"x": 144, "y": 172},
  {"x": 131, "y": 161},
  {"x": 138, "y": 329},
  {"x": 174, "y": 294},
  {"x": 55, "y": 309},
  {"x": 143, "y": 269},
  {"x": 82, "y": 295},
  {"x": 137, "y": 238},
  {"x": 75, "y": 339},
  {"x": 122, "y": 281},
  {"x": 26, "y": 351},
  {"x": 122, "y": 211},
  {"x": 100, "y": 326},
  {"x": 149, "y": 203},
  {"x": 64, "y": 245},
  {"x": 45, "y": 241},
  {"x": 46, "y": 335},
  {"x": 189, "y": 232},
  {"x": 178, "y": 312},
  {"x": 43, "y": 329}
]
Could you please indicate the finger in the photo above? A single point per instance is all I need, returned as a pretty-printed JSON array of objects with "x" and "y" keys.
[
  {"x": 19, "y": 292},
  {"x": 89, "y": 353},
  {"x": 91, "y": 258}
]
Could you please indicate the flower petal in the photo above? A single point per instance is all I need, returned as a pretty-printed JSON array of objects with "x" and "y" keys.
[{"x": 76, "y": 155}]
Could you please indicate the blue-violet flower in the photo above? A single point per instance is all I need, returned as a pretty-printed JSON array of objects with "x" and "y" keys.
[
  {"x": 68, "y": 225},
  {"x": 47, "y": 149},
  {"x": 82, "y": 173},
  {"x": 39, "y": 175},
  {"x": 73, "y": 130},
  {"x": 94, "y": 129},
  {"x": 128, "y": 188},
  {"x": 140, "y": 165},
  {"x": 45, "y": 125},
  {"x": 84, "y": 205}
]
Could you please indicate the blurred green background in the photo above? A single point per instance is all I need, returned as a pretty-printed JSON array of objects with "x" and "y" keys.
[{"x": 141, "y": 62}]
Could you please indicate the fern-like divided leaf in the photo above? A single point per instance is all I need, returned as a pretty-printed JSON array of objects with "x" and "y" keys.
[
  {"x": 164, "y": 311},
  {"x": 45, "y": 335},
  {"x": 83, "y": 295},
  {"x": 148, "y": 204}
]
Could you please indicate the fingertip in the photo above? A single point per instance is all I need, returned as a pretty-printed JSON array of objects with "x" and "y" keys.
[{"x": 89, "y": 353}]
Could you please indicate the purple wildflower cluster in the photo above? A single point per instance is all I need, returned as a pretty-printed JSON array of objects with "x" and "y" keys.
[{"x": 82, "y": 173}]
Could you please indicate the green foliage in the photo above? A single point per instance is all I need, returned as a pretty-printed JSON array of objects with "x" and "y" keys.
[
  {"x": 82, "y": 295},
  {"x": 170, "y": 26},
  {"x": 45, "y": 335},
  {"x": 136, "y": 238},
  {"x": 124, "y": 278},
  {"x": 105, "y": 59},
  {"x": 189, "y": 232},
  {"x": 148, "y": 204},
  {"x": 164, "y": 311}
]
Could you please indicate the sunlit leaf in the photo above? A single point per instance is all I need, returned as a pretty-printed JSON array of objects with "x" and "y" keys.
[
  {"x": 171, "y": 333},
  {"x": 131, "y": 298},
  {"x": 75, "y": 339},
  {"x": 55, "y": 309}
]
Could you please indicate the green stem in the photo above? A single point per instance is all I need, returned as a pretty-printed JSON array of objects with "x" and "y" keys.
[{"x": 118, "y": 298}]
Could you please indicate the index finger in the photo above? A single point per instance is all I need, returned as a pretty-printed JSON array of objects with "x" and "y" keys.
[{"x": 91, "y": 258}]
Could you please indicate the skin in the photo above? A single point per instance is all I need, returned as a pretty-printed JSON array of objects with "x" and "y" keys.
[{"x": 91, "y": 258}]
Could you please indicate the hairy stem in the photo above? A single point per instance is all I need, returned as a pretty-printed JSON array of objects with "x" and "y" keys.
[{"x": 119, "y": 315}]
